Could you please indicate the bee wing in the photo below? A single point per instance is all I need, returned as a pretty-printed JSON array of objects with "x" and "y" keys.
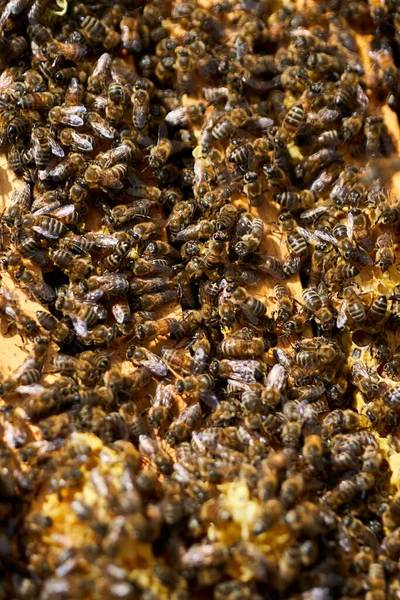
[
  {"x": 33, "y": 388},
  {"x": 10, "y": 312},
  {"x": 241, "y": 385},
  {"x": 82, "y": 142},
  {"x": 55, "y": 147},
  {"x": 70, "y": 116},
  {"x": 362, "y": 98},
  {"x": 112, "y": 182},
  {"x": 162, "y": 132},
  {"x": 342, "y": 315},
  {"x": 276, "y": 377},
  {"x": 249, "y": 314},
  {"x": 176, "y": 116},
  {"x": 183, "y": 234},
  {"x": 155, "y": 364},
  {"x": 21, "y": 197},
  {"x": 63, "y": 211},
  {"x": 35, "y": 149},
  {"x": 79, "y": 325},
  {"x": 44, "y": 232},
  {"x": 363, "y": 257},
  {"x": 209, "y": 398},
  {"x": 101, "y": 127},
  {"x": 29, "y": 363},
  {"x": 43, "y": 292},
  {"x": 6, "y": 79},
  {"x": 283, "y": 358},
  {"x": 350, "y": 225},
  {"x": 313, "y": 212},
  {"x": 316, "y": 236},
  {"x": 47, "y": 172},
  {"x": 104, "y": 241},
  {"x": 200, "y": 359},
  {"x": 43, "y": 209}
]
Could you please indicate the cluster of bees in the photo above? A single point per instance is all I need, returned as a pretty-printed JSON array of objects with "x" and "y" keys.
[{"x": 183, "y": 424}]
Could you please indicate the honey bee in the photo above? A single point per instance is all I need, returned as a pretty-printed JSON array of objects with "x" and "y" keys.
[
  {"x": 296, "y": 242},
  {"x": 353, "y": 307},
  {"x": 43, "y": 146},
  {"x": 251, "y": 232},
  {"x": 340, "y": 273},
  {"x": 181, "y": 429},
  {"x": 160, "y": 153},
  {"x": 293, "y": 201},
  {"x": 383, "y": 61},
  {"x": 317, "y": 303},
  {"x": 140, "y": 108},
  {"x": 184, "y": 116},
  {"x": 78, "y": 142},
  {"x": 201, "y": 386},
  {"x": 215, "y": 254},
  {"x": 384, "y": 257},
  {"x": 272, "y": 266},
  {"x": 238, "y": 347},
  {"x": 242, "y": 371},
  {"x": 110, "y": 178},
  {"x": 161, "y": 405},
  {"x": 159, "y": 457},
  {"x": 285, "y": 303},
  {"x": 71, "y": 51}
]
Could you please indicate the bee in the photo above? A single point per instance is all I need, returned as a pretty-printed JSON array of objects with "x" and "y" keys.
[
  {"x": 140, "y": 108},
  {"x": 60, "y": 332},
  {"x": 67, "y": 167},
  {"x": 242, "y": 371},
  {"x": 72, "y": 116},
  {"x": 201, "y": 230},
  {"x": 71, "y": 51},
  {"x": 181, "y": 429},
  {"x": 252, "y": 308},
  {"x": 184, "y": 66},
  {"x": 209, "y": 555},
  {"x": 294, "y": 119},
  {"x": 215, "y": 254},
  {"x": 347, "y": 89},
  {"x": 272, "y": 266},
  {"x": 353, "y": 307},
  {"x": 184, "y": 116},
  {"x": 296, "y": 242},
  {"x": 395, "y": 308},
  {"x": 160, "y": 153},
  {"x": 365, "y": 380},
  {"x": 43, "y": 146},
  {"x": 79, "y": 142},
  {"x": 343, "y": 493},
  {"x": 223, "y": 128},
  {"x": 251, "y": 232},
  {"x": 48, "y": 226},
  {"x": 293, "y": 201},
  {"x": 384, "y": 257},
  {"x": 275, "y": 177},
  {"x": 253, "y": 188},
  {"x": 110, "y": 178},
  {"x": 238, "y": 347},
  {"x": 341, "y": 273},
  {"x": 377, "y": 311},
  {"x": 200, "y": 385},
  {"x": 151, "y": 448},
  {"x": 161, "y": 404},
  {"x": 102, "y": 128},
  {"x": 317, "y": 303},
  {"x": 179, "y": 361},
  {"x": 383, "y": 61},
  {"x": 285, "y": 302}
]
